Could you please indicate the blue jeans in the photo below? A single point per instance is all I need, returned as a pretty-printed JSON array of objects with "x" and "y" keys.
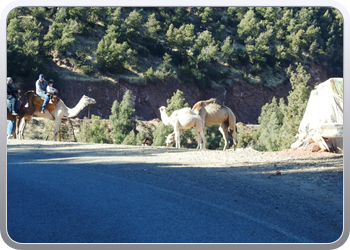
[
  {"x": 13, "y": 104},
  {"x": 10, "y": 127},
  {"x": 46, "y": 100}
]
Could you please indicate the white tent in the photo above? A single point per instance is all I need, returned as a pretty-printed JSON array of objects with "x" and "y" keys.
[{"x": 323, "y": 119}]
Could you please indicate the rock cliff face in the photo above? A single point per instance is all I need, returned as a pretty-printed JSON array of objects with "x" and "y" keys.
[{"x": 244, "y": 99}]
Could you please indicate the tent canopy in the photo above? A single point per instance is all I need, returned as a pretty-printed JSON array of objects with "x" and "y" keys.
[{"x": 324, "y": 111}]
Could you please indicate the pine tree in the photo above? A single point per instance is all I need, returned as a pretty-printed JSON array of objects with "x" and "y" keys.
[
  {"x": 279, "y": 122},
  {"x": 121, "y": 119},
  {"x": 297, "y": 102},
  {"x": 270, "y": 120},
  {"x": 177, "y": 101}
]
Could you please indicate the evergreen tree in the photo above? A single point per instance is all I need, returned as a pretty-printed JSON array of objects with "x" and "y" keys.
[
  {"x": 133, "y": 24},
  {"x": 25, "y": 56},
  {"x": 152, "y": 26},
  {"x": 60, "y": 36},
  {"x": 180, "y": 39},
  {"x": 121, "y": 120},
  {"x": 228, "y": 51},
  {"x": 177, "y": 101},
  {"x": 279, "y": 123},
  {"x": 270, "y": 120},
  {"x": 297, "y": 102}
]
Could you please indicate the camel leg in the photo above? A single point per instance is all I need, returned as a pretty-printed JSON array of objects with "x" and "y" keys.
[
  {"x": 22, "y": 125},
  {"x": 57, "y": 128},
  {"x": 57, "y": 125},
  {"x": 224, "y": 131},
  {"x": 177, "y": 139},
  {"x": 17, "y": 127},
  {"x": 200, "y": 136},
  {"x": 177, "y": 132},
  {"x": 204, "y": 141},
  {"x": 234, "y": 137},
  {"x": 21, "y": 128},
  {"x": 199, "y": 139}
]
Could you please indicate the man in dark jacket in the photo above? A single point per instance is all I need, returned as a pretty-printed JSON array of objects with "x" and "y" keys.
[{"x": 11, "y": 97}]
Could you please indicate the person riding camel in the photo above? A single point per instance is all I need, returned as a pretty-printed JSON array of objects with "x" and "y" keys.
[
  {"x": 51, "y": 90},
  {"x": 11, "y": 97},
  {"x": 40, "y": 89}
]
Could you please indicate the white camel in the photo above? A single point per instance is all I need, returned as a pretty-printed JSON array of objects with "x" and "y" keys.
[
  {"x": 182, "y": 120},
  {"x": 214, "y": 113},
  {"x": 60, "y": 110}
]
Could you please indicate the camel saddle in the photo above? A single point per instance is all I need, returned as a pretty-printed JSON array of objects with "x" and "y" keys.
[{"x": 38, "y": 102}]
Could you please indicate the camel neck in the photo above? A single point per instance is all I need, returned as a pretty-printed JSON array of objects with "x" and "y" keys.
[
  {"x": 75, "y": 111},
  {"x": 164, "y": 117}
]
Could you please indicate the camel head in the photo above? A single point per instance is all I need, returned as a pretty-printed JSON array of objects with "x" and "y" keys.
[
  {"x": 162, "y": 109},
  {"x": 170, "y": 140},
  {"x": 88, "y": 100}
]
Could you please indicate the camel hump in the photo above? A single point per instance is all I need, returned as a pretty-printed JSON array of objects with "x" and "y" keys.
[
  {"x": 212, "y": 101},
  {"x": 198, "y": 106}
]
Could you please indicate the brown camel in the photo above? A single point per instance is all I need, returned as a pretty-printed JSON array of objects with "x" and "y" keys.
[
  {"x": 212, "y": 112},
  {"x": 28, "y": 109}
]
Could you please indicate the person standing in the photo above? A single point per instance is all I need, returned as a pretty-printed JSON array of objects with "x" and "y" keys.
[
  {"x": 11, "y": 97},
  {"x": 13, "y": 103},
  {"x": 10, "y": 127},
  {"x": 40, "y": 89}
]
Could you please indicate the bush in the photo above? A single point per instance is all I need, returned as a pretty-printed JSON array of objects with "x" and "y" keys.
[
  {"x": 245, "y": 136},
  {"x": 214, "y": 137},
  {"x": 160, "y": 133},
  {"x": 94, "y": 131},
  {"x": 87, "y": 69}
]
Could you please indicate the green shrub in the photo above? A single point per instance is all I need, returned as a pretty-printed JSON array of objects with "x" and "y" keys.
[
  {"x": 245, "y": 136},
  {"x": 87, "y": 69},
  {"x": 94, "y": 131},
  {"x": 160, "y": 133}
]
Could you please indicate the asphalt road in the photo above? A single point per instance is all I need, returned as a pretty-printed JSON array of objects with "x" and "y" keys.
[{"x": 95, "y": 195}]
